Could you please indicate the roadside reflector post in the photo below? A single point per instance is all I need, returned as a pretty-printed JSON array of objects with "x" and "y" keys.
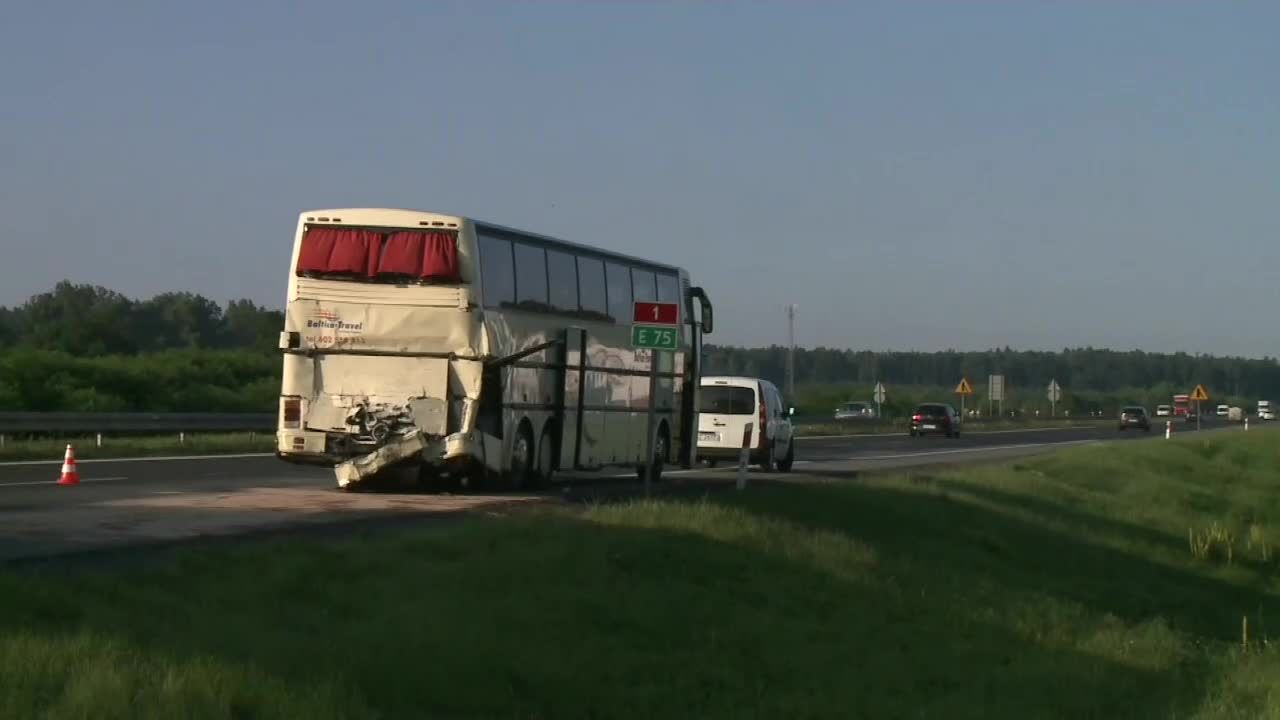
[
  {"x": 651, "y": 464},
  {"x": 743, "y": 457},
  {"x": 1168, "y": 429},
  {"x": 1246, "y": 425},
  {"x": 182, "y": 438},
  {"x": 99, "y": 439}
]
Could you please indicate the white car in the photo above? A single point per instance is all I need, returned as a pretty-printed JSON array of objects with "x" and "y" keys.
[
  {"x": 1224, "y": 410},
  {"x": 726, "y": 405},
  {"x": 1163, "y": 411}
]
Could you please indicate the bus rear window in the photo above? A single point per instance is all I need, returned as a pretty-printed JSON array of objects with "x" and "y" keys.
[
  {"x": 726, "y": 400},
  {"x": 379, "y": 256}
]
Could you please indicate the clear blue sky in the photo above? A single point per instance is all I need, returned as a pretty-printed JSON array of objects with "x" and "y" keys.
[{"x": 913, "y": 175}]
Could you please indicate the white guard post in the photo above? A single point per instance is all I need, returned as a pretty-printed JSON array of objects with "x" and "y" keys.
[{"x": 743, "y": 456}]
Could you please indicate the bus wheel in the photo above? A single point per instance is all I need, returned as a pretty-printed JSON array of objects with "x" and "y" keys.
[
  {"x": 659, "y": 456},
  {"x": 521, "y": 459},
  {"x": 547, "y": 455}
]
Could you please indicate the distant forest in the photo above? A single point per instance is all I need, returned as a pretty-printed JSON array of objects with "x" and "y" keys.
[
  {"x": 87, "y": 348},
  {"x": 1079, "y": 370}
]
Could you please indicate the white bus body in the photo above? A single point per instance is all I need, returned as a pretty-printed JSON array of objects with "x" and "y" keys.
[{"x": 468, "y": 348}]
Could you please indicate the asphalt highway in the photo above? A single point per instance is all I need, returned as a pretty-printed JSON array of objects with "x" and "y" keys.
[{"x": 140, "y": 500}]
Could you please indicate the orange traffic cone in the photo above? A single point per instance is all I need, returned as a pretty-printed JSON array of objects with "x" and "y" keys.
[{"x": 70, "y": 476}]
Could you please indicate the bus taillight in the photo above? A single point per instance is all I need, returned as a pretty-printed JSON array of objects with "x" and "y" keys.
[{"x": 292, "y": 412}]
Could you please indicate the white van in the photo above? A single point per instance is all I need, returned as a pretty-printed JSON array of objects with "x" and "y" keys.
[{"x": 727, "y": 404}]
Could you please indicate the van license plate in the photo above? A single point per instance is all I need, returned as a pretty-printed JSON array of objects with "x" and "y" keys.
[
  {"x": 930, "y": 427},
  {"x": 712, "y": 436}
]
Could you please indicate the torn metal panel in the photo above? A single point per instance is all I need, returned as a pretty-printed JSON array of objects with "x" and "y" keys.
[{"x": 400, "y": 449}]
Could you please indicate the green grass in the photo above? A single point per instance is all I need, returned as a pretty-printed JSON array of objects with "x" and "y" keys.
[
  {"x": 1064, "y": 586},
  {"x": 86, "y": 448}
]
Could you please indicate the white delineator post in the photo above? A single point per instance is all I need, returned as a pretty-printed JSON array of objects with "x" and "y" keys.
[
  {"x": 1246, "y": 423},
  {"x": 1168, "y": 429},
  {"x": 743, "y": 456}
]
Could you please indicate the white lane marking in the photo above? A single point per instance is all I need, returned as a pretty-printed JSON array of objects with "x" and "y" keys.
[
  {"x": 958, "y": 451},
  {"x": 54, "y": 482},
  {"x": 162, "y": 458},
  {"x": 967, "y": 432}
]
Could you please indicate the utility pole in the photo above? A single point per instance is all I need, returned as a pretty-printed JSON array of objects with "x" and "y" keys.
[{"x": 791, "y": 352}]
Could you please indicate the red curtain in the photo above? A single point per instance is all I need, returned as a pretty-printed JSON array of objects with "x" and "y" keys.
[
  {"x": 440, "y": 258},
  {"x": 424, "y": 255},
  {"x": 409, "y": 253},
  {"x": 338, "y": 250}
]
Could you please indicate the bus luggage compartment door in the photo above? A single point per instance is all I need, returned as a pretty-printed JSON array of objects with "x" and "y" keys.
[{"x": 571, "y": 398}]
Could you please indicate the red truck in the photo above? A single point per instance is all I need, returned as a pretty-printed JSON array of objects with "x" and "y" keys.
[{"x": 1183, "y": 408}]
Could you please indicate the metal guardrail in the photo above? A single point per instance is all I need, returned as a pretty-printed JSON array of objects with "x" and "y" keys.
[{"x": 133, "y": 422}]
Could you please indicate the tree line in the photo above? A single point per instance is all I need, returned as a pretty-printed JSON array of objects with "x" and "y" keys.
[
  {"x": 1080, "y": 372},
  {"x": 87, "y": 348}
]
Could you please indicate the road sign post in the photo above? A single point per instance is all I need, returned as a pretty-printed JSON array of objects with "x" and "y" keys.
[
  {"x": 995, "y": 393},
  {"x": 1055, "y": 394},
  {"x": 654, "y": 328},
  {"x": 879, "y": 398},
  {"x": 1199, "y": 395},
  {"x": 963, "y": 389}
]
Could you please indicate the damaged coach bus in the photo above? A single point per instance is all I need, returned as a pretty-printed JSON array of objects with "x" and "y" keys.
[{"x": 471, "y": 350}]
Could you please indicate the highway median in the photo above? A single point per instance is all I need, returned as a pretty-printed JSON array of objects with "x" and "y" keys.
[{"x": 1134, "y": 579}]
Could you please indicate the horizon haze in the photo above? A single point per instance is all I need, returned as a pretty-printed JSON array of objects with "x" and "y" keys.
[{"x": 915, "y": 177}]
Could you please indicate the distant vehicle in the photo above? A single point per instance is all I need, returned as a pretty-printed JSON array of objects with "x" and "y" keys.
[
  {"x": 855, "y": 411},
  {"x": 938, "y": 418},
  {"x": 1182, "y": 407},
  {"x": 1163, "y": 411},
  {"x": 1223, "y": 410},
  {"x": 1264, "y": 410},
  {"x": 1235, "y": 414},
  {"x": 727, "y": 404},
  {"x": 1134, "y": 416}
]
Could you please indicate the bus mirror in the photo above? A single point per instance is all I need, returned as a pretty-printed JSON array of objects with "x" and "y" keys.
[{"x": 708, "y": 315}]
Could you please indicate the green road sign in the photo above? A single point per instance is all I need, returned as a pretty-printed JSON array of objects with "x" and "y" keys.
[{"x": 654, "y": 337}]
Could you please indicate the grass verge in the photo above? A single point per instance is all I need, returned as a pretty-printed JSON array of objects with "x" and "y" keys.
[
  {"x": 53, "y": 449},
  {"x": 1068, "y": 586}
]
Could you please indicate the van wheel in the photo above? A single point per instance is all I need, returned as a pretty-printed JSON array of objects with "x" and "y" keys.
[
  {"x": 768, "y": 463},
  {"x": 785, "y": 463}
]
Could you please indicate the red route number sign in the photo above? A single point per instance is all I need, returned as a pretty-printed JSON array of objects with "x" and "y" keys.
[{"x": 656, "y": 313}]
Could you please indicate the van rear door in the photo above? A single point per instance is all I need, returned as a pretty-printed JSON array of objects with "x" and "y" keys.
[{"x": 723, "y": 414}]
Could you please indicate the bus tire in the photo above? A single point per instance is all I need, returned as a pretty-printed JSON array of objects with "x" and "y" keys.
[
  {"x": 520, "y": 476},
  {"x": 548, "y": 448},
  {"x": 660, "y": 451}
]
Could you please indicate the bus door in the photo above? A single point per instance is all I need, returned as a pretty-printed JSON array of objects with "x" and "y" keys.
[{"x": 570, "y": 406}]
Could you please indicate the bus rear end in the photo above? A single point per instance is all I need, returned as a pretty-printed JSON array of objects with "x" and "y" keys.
[{"x": 381, "y": 346}]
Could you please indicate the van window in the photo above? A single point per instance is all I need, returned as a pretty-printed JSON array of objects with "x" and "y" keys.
[{"x": 727, "y": 400}]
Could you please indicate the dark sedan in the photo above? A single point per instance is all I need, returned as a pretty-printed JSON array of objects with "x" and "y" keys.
[
  {"x": 1134, "y": 417},
  {"x": 935, "y": 418}
]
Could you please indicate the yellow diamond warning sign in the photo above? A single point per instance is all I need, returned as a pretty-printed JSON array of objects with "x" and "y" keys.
[
  {"x": 1200, "y": 395},
  {"x": 964, "y": 388}
]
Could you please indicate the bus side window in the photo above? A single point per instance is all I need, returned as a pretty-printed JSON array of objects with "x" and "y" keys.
[
  {"x": 594, "y": 299},
  {"x": 620, "y": 302},
  {"x": 645, "y": 289},
  {"x": 668, "y": 288},
  {"x": 562, "y": 274},
  {"x": 497, "y": 271},
  {"x": 531, "y": 277}
]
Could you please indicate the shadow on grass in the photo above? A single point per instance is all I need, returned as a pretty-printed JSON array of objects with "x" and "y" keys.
[{"x": 556, "y": 615}]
